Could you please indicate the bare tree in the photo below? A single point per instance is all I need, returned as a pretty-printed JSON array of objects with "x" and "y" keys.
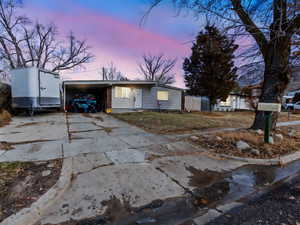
[
  {"x": 112, "y": 73},
  {"x": 24, "y": 44},
  {"x": 272, "y": 24},
  {"x": 158, "y": 68}
]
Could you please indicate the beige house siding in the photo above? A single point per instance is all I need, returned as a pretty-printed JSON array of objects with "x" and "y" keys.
[{"x": 150, "y": 99}]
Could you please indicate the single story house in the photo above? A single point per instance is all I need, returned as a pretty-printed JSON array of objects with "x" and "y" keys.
[
  {"x": 233, "y": 102},
  {"x": 293, "y": 87},
  {"x": 201, "y": 103},
  {"x": 124, "y": 96},
  {"x": 244, "y": 99}
]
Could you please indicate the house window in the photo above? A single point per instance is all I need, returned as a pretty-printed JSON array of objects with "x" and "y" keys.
[
  {"x": 122, "y": 92},
  {"x": 162, "y": 95}
]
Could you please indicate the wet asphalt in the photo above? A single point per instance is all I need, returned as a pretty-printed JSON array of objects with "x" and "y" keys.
[
  {"x": 280, "y": 206},
  {"x": 270, "y": 196}
]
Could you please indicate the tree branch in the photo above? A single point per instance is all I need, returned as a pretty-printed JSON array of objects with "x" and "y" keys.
[
  {"x": 250, "y": 26},
  {"x": 294, "y": 25}
]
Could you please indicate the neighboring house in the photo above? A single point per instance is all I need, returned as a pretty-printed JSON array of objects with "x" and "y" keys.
[
  {"x": 291, "y": 90},
  {"x": 125, "y": 96},
  {"x": 235, "y": 101},
  {"x": 293, "y": 87}
]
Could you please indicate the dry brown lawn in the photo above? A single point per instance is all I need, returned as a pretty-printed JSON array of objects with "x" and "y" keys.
[
  {"x": 22, "y": 183},
  {"x": 225, "y": 143},
  {"x": 173, "y": 122}
]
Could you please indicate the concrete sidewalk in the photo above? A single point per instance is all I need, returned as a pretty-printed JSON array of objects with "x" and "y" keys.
[
  {"x": 289, "y": 123},
  {"x": 100, "y": 178}
]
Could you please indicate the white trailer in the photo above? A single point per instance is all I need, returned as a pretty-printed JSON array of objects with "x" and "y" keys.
[{"x": 35, "y": 89}]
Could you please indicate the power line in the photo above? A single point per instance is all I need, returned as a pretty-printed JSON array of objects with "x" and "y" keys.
[{"x": 86, "y": 71}]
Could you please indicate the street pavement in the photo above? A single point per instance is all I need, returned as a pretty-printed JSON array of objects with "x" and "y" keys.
[{"x": 281, "y": 206}]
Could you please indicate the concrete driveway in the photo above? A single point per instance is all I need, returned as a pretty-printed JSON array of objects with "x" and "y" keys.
[
  {"x": 111, "y": 160},
  {"x": 51, "y": 136}
]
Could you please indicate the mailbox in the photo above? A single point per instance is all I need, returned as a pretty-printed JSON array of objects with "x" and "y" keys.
[{"x": 269, "y": 107}]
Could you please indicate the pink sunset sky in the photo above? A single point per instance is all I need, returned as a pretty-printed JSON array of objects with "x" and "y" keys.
[{"x": 112, "y": 30}]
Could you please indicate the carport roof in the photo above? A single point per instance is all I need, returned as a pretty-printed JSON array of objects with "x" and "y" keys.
[{"x": 107, "y": 82}]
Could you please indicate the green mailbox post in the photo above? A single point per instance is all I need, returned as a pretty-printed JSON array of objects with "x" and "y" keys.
[{"x": 268, "y": 108}]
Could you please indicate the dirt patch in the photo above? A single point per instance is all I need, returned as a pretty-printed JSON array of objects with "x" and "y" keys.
[
  {"x": 167, "y": 211},
  {"x": 225, "y": 143},
  {"x": 21, "y": 184},
  {"x": 210, "y": 186},
  {"x": 202, "y": 178},
  {"x": 5, "y": 118},
  {"x": 285, "y": 116},
  {"x": 5, "y": 146},
  {"x": 211, "y": 195},
  {"x": 10, "y": 145},
  {"x": 117, "y": 209}
]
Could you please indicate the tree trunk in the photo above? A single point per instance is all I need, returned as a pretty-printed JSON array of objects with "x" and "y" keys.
[
  {"x": 5, "y": 97},
  {"x": 276, "y": 78}
]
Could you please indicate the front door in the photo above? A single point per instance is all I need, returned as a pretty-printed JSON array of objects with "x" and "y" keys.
[
  {"x": 138, "y": 95},
  {"x": 49, "y": 88}
]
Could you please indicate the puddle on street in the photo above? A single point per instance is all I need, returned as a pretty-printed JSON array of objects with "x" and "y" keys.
[
  {"x": 251, "y": 178},
  {"x": 210, "y": 190}
]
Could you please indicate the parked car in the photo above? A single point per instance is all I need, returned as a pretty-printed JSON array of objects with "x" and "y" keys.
[
  {"x": 297, "y": 105},
  {"x": 292, "y": 106},
  {"x": 86, "y": 104},
  {"x": 288, "y": 106}
]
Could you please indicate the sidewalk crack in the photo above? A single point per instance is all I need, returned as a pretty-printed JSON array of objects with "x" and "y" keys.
[
  {"x": 175, "y": 181},
  {"x": 94, "y": 168}
]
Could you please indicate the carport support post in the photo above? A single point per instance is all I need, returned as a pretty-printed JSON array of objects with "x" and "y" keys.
[
  {"x": 64, "y": 97},
  {"x": 268, "y": 122}
]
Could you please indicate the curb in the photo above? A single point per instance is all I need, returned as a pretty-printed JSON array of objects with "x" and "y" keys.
[
  {"x": 267, "y": 162},
  {"x": 212, "y": 214},
  {"x": 34, "y": 213},
  {"x": 281, "y": 160}
]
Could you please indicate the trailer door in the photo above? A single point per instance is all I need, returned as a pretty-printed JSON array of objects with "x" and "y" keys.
[{"x": 49, "y": 88}]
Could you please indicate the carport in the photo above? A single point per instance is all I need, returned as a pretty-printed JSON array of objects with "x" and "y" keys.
[{"x": 101, "y": 90}]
